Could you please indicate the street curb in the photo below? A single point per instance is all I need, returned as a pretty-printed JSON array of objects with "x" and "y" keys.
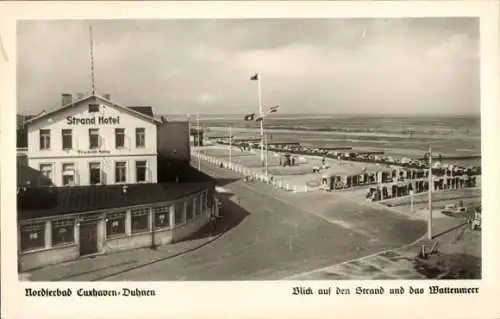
[{"x": 160, "y": 259}]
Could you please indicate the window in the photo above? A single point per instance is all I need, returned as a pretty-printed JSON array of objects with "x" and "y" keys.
[
  {"x": 63, "y": 232},
  {"x": 179, "y": 213},
  {"x": 68, "y": 174},
  {"x": 189, "y": 210},
  {"x": 119, "y": 137},
  {"x": 46, "y": 170},
  {"x": 93, "y": 108},
  {"x": 201, "y": 200},
  {"x": 206, "y": 201},
  {"x": 162, "y": 216},
  {"x": 93, "y": 138},
  {"x": 210, "y": 198},
  {"x": 140, "y": 137},
  {"x": 44, "y": 139},
  {"x": 115, "y": 225},
  {"x": 140, "y": 171},
  {"x": 197, "y": 206},
  {"x": 95, "y": 173},
  {"x": 140, "y": 220},
  {"x": 67, "y": 139},
  {"x": 120, "y": 172},
  {"x": 32, "y": 236}
]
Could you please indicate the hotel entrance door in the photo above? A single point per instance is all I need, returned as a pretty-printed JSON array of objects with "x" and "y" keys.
[{"x": 88, "y": 238}]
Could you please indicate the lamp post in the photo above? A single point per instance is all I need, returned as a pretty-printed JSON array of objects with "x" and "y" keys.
[
  {"x": 429, "y": 221},
  {"x": 230, "y": 147},
  {"x": 153, "y": 239}
]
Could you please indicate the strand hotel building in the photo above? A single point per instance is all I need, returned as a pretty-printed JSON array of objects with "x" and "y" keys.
[{"x": 93, "y": 185}]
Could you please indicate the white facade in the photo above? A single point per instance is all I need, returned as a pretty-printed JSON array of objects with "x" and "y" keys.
[{"x": 104, "y": 144}]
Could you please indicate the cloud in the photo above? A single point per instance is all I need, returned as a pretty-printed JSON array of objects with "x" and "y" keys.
[
  {"x": 312, "y": 65},
  {"x": 206, "y": 98},
  {"x": 457, "y": 46}
]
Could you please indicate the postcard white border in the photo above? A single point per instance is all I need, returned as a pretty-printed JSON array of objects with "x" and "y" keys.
[{"x": 263, "y": 299}]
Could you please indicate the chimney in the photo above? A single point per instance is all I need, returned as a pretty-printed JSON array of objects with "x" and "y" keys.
[
  {"x": 80, "y": 96},
  {"x": 107, "y": 96},
  {"x": 66, "y": 99}
]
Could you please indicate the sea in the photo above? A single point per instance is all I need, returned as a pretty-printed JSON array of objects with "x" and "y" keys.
[{"x": 454, "y": 136}]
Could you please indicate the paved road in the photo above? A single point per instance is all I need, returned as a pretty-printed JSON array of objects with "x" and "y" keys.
[{"x": 275, "y": 235}]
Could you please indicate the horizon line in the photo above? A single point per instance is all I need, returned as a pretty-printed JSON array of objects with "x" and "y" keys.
[{"x": 333, "y": 114}]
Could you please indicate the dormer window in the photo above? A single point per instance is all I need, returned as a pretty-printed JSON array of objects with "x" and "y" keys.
[{"x": 93, "y": 108}]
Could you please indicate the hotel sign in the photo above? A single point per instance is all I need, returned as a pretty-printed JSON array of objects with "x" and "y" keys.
[
  {"x": 101, "y": 120},
  {"x": 96, "y": 151}
]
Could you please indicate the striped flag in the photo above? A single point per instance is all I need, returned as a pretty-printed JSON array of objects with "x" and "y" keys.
[
  {"x": 250, "y": 117},
  {"x": 255, "y": 77},
  {"x": 274, "y": 109}
]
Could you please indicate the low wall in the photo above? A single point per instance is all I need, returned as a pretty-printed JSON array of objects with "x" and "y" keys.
[
  {"x": 186, "y": 230},
  {"x": 38, "y": 258},
  {"x": 138, "y": 240}
]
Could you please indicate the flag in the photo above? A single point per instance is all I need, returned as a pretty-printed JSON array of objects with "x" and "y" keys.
[
  {"x": 255, "y": 77},
  {"x": 274, "y": 109},
  {"x": 259, "y": 118},
  {"x": 249, "y": 117}
]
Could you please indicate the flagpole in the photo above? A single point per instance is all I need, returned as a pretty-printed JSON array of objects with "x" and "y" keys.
[
  {"x": 262, "y": 119},
  {"x": 230, "y": 146}
]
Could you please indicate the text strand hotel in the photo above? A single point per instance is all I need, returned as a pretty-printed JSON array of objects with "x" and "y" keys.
[
  {"x": 106, "y": 192},
  {"x": 93, "y": 141}
]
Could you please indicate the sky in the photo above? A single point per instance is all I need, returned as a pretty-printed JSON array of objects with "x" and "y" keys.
[{"x": 348, "y": 66}]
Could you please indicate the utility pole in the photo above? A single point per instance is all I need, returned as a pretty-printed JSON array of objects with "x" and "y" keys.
[
  {"x": 429, "y": 222},
  {"x": 198, "y": 134},
  {"x": 267, "y": 154}
]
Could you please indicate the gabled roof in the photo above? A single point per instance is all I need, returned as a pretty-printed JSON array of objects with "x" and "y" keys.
[
  {"x": 23, "y": 119},
  {"x": 146, "y": 110},
  {"x": 98, "y": 97}
]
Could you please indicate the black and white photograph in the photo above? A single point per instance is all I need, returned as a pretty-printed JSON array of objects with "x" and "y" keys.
[{"x": 249, "y": 149}]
